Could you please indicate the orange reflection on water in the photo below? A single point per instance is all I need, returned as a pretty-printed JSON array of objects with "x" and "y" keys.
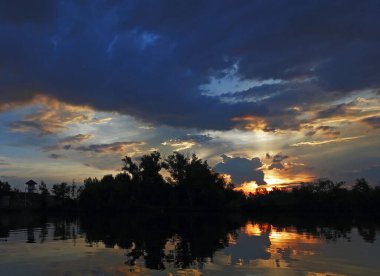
[
  {"x": 277, "y": 235},
  {"x": 324, "y": 274},
  {"x": 252, "y": 229},
  {"x": 283, "y": 241},
  {"x": 288, "y": 237}
]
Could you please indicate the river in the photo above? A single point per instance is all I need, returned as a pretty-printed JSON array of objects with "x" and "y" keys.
[{"x": 186, "y": 244}]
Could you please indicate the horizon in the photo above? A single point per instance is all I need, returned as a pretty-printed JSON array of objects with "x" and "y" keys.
[
  {"x": 272, "y": 93},
  {"x": 248, "y": 187}
]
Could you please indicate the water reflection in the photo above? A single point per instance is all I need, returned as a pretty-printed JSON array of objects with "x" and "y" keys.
[
  {"x": 193, "y": 243},
  {"x": 184, "y": 241}
]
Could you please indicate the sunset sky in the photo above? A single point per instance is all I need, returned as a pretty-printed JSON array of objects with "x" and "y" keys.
[{"x": 267, "y": 91}]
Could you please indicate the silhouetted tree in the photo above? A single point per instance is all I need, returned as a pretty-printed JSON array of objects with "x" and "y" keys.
[
  {"x": 196, "y": 184},
  {"x": 131, "y": 168},
  {"x": 4, "y": 187},
  {"x": 153, "y": 187},
  {"x": 43, "y": 189},
  {"x": 61, "y": 192},
  {"x": 73, "y": 189},
  {"x": 44, "y": 194},
  {"x": 193, "y": 185},
  {"x": 177, "y": 164},
  {"x": 361, "y": 186}
]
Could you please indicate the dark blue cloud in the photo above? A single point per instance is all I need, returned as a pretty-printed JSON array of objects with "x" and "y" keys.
[
  {"x": 277, "y": 161},
  {"x": 241, "y": 169},
  {"x": 373, "y": 121},
  {"x": 148, "y": 58},
  {"x": 27, "y": 12},
  {"x": 56, "y": 156}
]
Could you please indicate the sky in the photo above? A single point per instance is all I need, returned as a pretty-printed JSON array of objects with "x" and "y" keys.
[{"x": 267, "y": 91}]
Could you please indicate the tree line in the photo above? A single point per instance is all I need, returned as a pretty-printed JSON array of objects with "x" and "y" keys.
[
  {"x": 187, "y": 183},
  {"x": 321, "y": 196},
  {"x": 190, "y": 184}
]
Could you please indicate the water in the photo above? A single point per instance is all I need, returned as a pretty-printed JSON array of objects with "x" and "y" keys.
[{"x": 186, "y": 245}]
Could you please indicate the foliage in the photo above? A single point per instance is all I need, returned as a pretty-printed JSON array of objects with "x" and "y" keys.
[
  {"x": 44, "y": 194},
  {"x": 4, "y": 187},
  {"x": 192, "y": 185},
  {"x": 195, "y": 183},
  {"x": 322, "y": 196},
  {"x": 361, "y": 186},
  {"x": 61, "y": 191},
  {"x": 43, "y": 189}
]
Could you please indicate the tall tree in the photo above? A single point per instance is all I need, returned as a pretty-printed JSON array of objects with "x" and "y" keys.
[
  {"x": 131, "y": 168},
  {"x": 150, "y": 167},
  {"x": 44, "y": 194},
  {"x": 61, "y": 191},
  {"x": 43, "y": 189},
  {"x": 4, "y": 187}
]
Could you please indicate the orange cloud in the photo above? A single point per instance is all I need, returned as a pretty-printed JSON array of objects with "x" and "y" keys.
[
  {"x": 76, "y": 138},
  {"x": 53, "y": 116},
  {"x": 324, "y": 142},
  {"x": 118, "y": 147},
  {"x": 178, "y": 144},
  {"x": 285, "y": 180},
  {"x": 252, "y": 122}
]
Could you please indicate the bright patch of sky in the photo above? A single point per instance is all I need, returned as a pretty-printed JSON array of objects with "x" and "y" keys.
[{"x": 228, "y": 81}]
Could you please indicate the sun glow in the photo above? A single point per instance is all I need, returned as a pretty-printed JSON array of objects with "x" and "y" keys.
[
  {"x": 248, "y": 187},
  {"x": 226, "y": 177},
  {"x": 252, "y": 188},
  {"x": 275, "y": 179}
]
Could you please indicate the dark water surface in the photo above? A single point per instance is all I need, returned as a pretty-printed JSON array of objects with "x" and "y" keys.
[{"x": 186, "y": 245}]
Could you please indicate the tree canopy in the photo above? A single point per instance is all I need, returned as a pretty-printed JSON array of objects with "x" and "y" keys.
[{"x": 191, "y": 184}]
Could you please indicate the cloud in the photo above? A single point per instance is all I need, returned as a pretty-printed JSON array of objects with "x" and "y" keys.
[
  {"x": 329, "y": 130},
  {"x": 337, "y": 110},
  {"x": 325, "y": 130},
  {"x": 32, "y": 126},
  {"x": 198, "y": 138},
  {"x": 279, "y": 157},
  {"x": 8, "y": 106},
  {"x": 56, "y": 156},
  {"x": 277, "y": 161},
  {"x": 66, "y": 142},
  {"x": 178, "y": 144},
  {"x": 241, "y": 169},
  {"x": 50, "y": 116},
  {"x": 4, "y": 163},
  {"x": 373, "y": 122},
  {"x": 24, "y": 11},
  {"x": 324, "y": 142},
  {"x": 187, "y": 141},
  {"x": 301, "y": 54},
  {"x": 76, "y": 138},
  {"x": 116, "y": 147},
  {"x": 284, "y": 69}
]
